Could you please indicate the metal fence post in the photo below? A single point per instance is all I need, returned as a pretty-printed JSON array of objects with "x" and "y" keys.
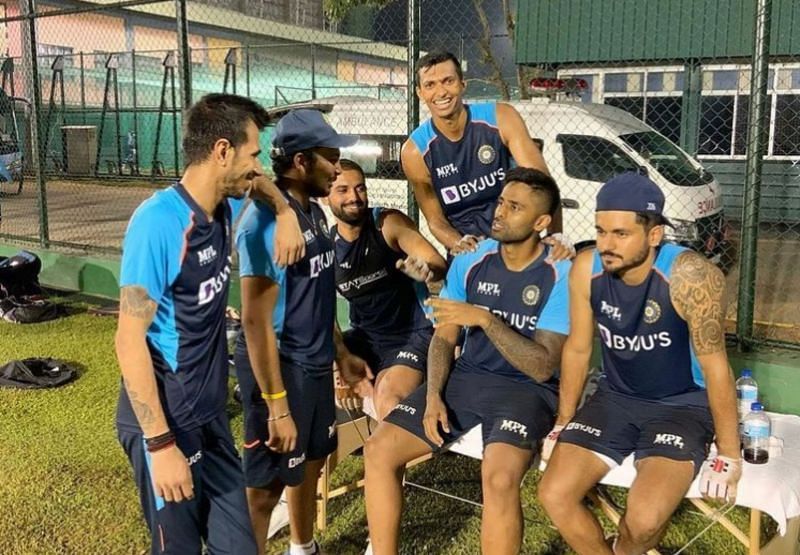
[
  {"x": 412, "y": 101},
  {"x": 691, "y": 105},
  {"x": 753, "y": 170},
  {"x": 184, "y": 55},
  {"x": 38, "y": 157}
]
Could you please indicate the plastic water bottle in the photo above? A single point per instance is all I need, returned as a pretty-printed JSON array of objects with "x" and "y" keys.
[
  {"x": 756, "y": 435},
  {"x": 746, "y": 393}
]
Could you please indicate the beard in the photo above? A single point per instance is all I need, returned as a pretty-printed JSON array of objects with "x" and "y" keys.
[
  {"x": 624, "y": 265},
  {"x": 350, "y": 217},
  {"x": 510, "y": 236}
]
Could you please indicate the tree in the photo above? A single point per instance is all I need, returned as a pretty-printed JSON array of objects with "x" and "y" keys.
[{"x": 337, "y": 9}]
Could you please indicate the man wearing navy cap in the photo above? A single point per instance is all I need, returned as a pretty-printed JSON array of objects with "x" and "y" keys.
[
  {"x": 667, "y": 390},
  {"x": 284, "y": 358}
]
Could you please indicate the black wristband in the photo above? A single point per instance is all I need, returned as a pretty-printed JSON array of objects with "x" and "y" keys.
[{"x": 156, "y": 443}]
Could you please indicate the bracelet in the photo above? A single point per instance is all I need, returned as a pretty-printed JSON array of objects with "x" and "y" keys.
[
  {"x": 273, "y": 396},
  {"x": 156, "y": 443},
  {"x": 279, "y": 417}
]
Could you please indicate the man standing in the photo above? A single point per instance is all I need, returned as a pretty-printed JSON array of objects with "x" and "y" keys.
[
  {"x": 381, "y": 258},
  {"x": 284, "y": 358},
  {"x": 513, "y": 302},
  {"x": 170, "y": 339},
  {"x": 667, "y": 387},
  {"x": 457, "y": 160}
]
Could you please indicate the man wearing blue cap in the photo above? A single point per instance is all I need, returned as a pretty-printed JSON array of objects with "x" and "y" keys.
[
  {"x": 284, "y": 358},
  {"x": 667, "y": 390}
]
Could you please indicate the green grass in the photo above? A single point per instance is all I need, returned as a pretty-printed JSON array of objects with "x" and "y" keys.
[{"x": 66, "y": 487}]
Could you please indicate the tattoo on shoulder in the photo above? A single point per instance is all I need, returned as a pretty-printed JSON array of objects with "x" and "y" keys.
[
  {"x": 134, "y": 301},
  {"x": 697, "y": 291}
]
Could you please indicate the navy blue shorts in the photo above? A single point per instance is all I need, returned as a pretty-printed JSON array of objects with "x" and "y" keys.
[
  {"x": 519, "y": 414},
  {"x": 392, "y": 350},
  {"x": 617, "y": 425},
  {"x": 311, "y": 402},
  {"x": 218, "y": 513}
]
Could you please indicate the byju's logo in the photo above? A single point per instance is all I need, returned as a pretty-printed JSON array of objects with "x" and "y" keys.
[
  {"x": 450, "y": 195},
  {"x": 209, "y": 288}
]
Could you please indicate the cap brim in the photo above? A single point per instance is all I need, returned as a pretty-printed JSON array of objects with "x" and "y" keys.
[{"x": 342, "y": 141}]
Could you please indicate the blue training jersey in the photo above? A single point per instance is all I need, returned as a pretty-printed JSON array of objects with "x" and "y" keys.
[
  {"x": 646, "y": 346},
  {"x": 182, "y": 260},
  {"x": 383, "y": 300},
  {"x": 467, "y": 174},
  {"x": 304, "y": 314},
  {"x": 534, "y": 298}
]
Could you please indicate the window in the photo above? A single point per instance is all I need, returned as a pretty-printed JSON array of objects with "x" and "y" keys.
[
  {"x": 616, "y": 82},
  {"x": 716, "y": 125},
  {"x": 631, "y": 104},
  {"x": 664, "y": 115},
  {"x": 593, "y": 158},
  {"x": 666, "y": 158},
  {"x": 378, "y": 155},
  {"x": 787, "y": 130}
]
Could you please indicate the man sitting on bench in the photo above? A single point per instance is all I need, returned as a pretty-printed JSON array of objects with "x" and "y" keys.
[
  {"x": 513, "y": 301},
  {"x": 658, "y": 309}
]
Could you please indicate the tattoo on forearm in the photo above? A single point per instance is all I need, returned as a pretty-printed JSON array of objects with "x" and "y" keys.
[
  {"x": 135, "y": 302},
  {"x": 440, "y": 358},
  {"x": 144, "y": 414},
  {"x": 697, "y": 291},
  {"x": 536, "y": 357}
]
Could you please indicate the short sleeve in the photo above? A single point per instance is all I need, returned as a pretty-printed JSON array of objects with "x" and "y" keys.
[
  {"x": 454, "y": 287},
  {"x": 151, "y": 250},
  {"x": 255, "y": 242},
  {"x": 555, "y": 314}
]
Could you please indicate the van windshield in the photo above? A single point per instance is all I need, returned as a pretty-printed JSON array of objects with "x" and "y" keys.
[{"x": 667, "y": 159}]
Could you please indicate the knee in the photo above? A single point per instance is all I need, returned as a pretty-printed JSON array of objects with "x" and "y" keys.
[
  {"x": 642, "y": 525},
  {"x": 499, "y": 483},
  {"x": 378, "y": 450},
  {"x": 262, "y": 500},
  {"x": 552, "y": 496}
]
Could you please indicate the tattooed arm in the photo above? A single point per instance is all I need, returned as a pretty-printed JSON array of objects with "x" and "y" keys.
[
  {"x": 135, "y": 315},
  {"x": 697, "y": 291},
  {"x": 440, "y": 360},
  {"x": 537, "y": 357},
  {"x": 171, "y": 476}
]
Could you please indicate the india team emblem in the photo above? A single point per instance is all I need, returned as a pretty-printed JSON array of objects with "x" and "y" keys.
[
  {"x": 652, "y": 311},
  {"x": 530, "y": 295},
  {"x": 323, "y": 227},
  {"x": 486, "y": 154}
]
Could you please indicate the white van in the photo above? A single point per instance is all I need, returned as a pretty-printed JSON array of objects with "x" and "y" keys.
[{"x": 583, "y": 144}]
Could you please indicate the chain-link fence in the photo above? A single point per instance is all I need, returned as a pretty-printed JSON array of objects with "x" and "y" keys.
[{"x": 662, "y": 88}]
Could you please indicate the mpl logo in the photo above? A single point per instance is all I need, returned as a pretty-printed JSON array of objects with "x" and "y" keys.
[
  {"x": 488, "y": 288},
  {"x": 406, "y": 408},
  {"x": 309, "y": 236},
  {"x": 515, "y": 427},
  {"x": 669, "y": 439},
  {"x": 207, "y": 255},
  {"x": 612, "y": 312},
  {"x": 450, "y": 195},
  {"x": 209, "y": 288},
  {"x": 444, "y": 171},
  {"x": 407, "y": 355}
]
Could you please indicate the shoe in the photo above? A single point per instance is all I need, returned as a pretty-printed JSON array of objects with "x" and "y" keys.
[{"x": 317, "y": 550}]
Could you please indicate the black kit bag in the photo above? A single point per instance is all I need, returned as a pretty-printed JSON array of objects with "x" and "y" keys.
[{"x": 36, "y": 373}]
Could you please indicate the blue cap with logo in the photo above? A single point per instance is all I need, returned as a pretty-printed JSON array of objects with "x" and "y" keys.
[
  {"x": 304, "y": 129},
  {"x": 632, "y": 192}
]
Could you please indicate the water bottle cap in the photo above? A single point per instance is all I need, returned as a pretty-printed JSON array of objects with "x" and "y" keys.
[
  {"x": 747, "y": 373},
  {"x": 756, "y": 407}
]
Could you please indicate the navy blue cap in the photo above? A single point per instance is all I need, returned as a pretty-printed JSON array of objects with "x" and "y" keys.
[
  {"x": 631, "y": 192},
  {"x": 304, "y": 129}
]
